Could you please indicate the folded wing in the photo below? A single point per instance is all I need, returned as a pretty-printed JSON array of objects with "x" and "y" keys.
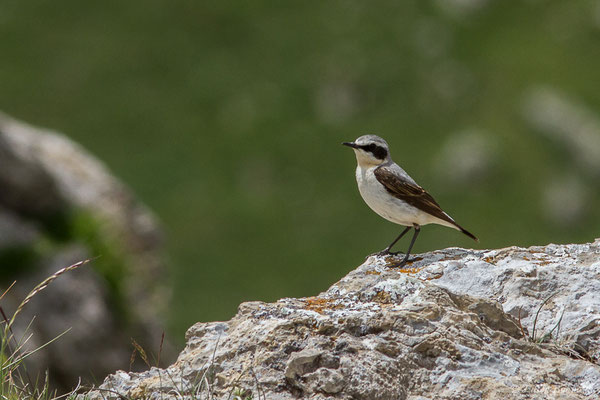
[{"x": 414, "y": 195}]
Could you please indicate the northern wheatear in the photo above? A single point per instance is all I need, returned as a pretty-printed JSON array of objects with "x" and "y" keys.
[{"x": 393, "y": 194}]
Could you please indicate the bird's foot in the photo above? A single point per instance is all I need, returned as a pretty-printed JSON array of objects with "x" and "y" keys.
[
  {"x": 384, "y": 252},
  {"x": 395, "y": 253},
  {"x": 401, "y": 263}
]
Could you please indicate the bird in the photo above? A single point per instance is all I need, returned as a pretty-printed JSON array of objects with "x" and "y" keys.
[{"x": 393, "y": 194}]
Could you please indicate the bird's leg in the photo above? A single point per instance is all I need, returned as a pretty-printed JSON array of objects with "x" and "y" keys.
[
  {"x": 387, "y": 249},
  {"x": 412, "y": 242}
]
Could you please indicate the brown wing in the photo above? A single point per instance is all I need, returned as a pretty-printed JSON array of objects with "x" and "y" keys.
[{"x": 413, "y": 194}]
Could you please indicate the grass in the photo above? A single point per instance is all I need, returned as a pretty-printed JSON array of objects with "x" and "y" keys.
[
  {"x": 84, "y": 228},
  {"x": 552, "y": 337},
  {"x": 199, "y": 387},
  {"x": 548, "y": 335},
  {"x": 532, "y": 337},
  {"x": 15, "y": 382}
]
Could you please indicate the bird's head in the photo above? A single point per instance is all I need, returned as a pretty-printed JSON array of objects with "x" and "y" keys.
[{"x": 370, "y": 150}]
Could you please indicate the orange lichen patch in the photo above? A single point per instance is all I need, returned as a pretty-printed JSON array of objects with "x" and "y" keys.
[
  {"x": 432, "y": 277},
  {"x": 542, "y": 261},
  {"x": 315, "y": 304},
  {"x": 372, "y": 273},
  {"x": 489, "y": 260},
  {"x": 539, "y": 258},
  {"x": 319, "y": 304},
  {"x": 410, "y": 270},
  {"x": 526, "y": 258},
  {"x": 389, "y": 260}
]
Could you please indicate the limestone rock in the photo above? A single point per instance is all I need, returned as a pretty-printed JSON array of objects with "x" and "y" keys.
[
  {"x": 15, "y": 231},
  {"x": 449, "y": 329},
  {"x": 45, "y": 180}
]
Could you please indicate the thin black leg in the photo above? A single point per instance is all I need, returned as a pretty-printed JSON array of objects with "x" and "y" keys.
[
  {"x": 412, "y": 242},
  {"x": 387, "y": 249}
]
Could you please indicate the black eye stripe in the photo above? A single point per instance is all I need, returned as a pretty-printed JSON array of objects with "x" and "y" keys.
[
  {"x": 367, "y": 147},
  {"x": 378, "y": 151}
]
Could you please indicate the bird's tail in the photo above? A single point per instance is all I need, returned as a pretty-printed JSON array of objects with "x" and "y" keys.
[
  {"x": 452, "y": 224},
  {"x": 466, "y": 232}
]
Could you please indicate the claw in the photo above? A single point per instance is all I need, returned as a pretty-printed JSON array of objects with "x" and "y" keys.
[
  {"x": 384, "y": 252},
  {"x": 405, "y": 262},
  {"x": 399, "y": 265}
]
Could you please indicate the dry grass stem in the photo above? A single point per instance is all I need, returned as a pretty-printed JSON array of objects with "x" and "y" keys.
[{"x": 43, "y": 285}]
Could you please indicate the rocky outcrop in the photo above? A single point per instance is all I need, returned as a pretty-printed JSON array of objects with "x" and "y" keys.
[
  {"x": 514, "y": 323},
  {"x": 59, "y": 205}
]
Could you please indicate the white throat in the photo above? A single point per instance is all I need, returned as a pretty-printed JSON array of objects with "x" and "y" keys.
[{"x": 366, "y": 161}]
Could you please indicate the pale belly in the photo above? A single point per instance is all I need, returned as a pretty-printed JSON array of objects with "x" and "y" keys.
[{"x": 389, "y": 207}]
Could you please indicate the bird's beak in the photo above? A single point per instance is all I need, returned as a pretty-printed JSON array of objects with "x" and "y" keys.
[{"x": 351, "y": 144}]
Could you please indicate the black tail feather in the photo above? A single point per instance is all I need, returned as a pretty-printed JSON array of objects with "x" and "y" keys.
[
  {"x": 466, "y": 232},
  {"x": 469, "y": 234}
]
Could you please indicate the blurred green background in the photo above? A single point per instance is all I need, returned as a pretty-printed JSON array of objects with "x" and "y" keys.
[{"x": 226, "y": 118}]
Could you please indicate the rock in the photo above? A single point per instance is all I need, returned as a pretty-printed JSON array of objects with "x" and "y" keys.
[
  {"x": 460, "y": 325},
  {"x": 38, "y": 161},
  {"x": 77, "y": 305},
  {"x": 15, "y": 231},
  {"x": 24, "y": 175},
  {"x": 59, "y": 204}
]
